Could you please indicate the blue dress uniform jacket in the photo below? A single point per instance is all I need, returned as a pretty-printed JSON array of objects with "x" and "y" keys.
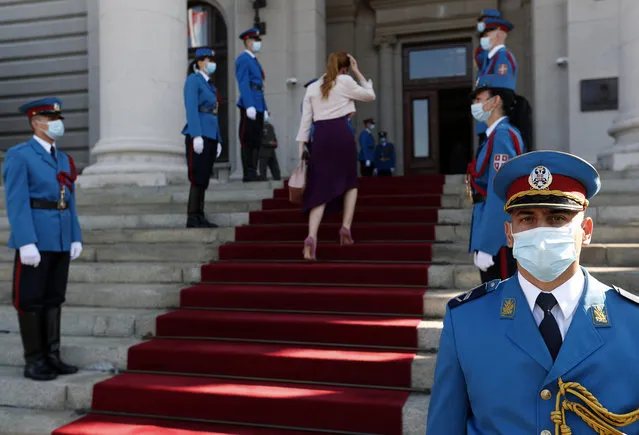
[
  {"x": 487, "y": 228},
  {"x": 250, "y": 81},
  {"x": 199, "y": 93},
  {"x": 502, "y": 63},
  {"x": 385, "y": 156},
  {"x": 366, "y": 146},
  {"x": 493, "y": 366},
  {"x": 29, "y": 171}
]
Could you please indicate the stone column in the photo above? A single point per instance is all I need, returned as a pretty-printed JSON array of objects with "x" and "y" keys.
[
  {"x": 385, "y": 86},
  {"x": 625, "y": 128},
  {"x": 143, "y": 59}
]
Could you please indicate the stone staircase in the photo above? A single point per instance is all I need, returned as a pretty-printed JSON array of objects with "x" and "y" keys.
[{"x": 138, "y": 256}]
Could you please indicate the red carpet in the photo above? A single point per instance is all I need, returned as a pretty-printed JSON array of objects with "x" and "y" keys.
[{"x": 269, "y": 340}]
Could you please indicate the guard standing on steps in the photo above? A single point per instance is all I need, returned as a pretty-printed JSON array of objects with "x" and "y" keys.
[
  {"x": 492, "y": 97},
  {"x": 384, "y": 156},
  {"x": 45, "y": 232},
  {"x": 551, "y": 350},
  {"x": 367, "y": 149},
  {"x": 252, "y": 104},
  {"x": 202, "y": 140}
]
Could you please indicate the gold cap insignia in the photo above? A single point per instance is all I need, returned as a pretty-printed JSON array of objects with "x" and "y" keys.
[
  {"x": 540, "y": 178},
  {"x": 508, "y": 307},
  {"x": 56, "y": 107},
  {"x": 600, "y": 316}
]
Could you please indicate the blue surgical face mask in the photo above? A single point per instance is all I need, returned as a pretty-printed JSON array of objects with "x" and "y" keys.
[
  {"x": 485, "y": 43},
  {"x": 257, "y": 46},
  {"x": 545, "y": 252},
  {"x": 372, "y": 127},
  {"x": 479, "y": 113},
  {"x": 55, "y": 130},
  {"x": 210, "y": 68},
  {"x": 481, "y": 26}
]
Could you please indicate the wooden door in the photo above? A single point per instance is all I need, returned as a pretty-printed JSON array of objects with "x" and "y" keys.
[{"x": 421, "y": 155}]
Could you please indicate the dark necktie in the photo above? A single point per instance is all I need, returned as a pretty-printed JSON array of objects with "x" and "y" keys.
[
  {"x": 548, "y": 326},
  {"x": 53, "y": 152}
]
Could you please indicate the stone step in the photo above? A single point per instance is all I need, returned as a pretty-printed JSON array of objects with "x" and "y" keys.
[
  {"x": 161, "y": 253},
  {"x": 87, "y": 353},
  {"x": 67, "y": 392},
  {"x": 93, "y": 322},
  {"x": 22, "y": 421},
  {"x": 625, "y": 277},
  {"x": 140, "y": 273},
  {"x": 114, "y": 295}
]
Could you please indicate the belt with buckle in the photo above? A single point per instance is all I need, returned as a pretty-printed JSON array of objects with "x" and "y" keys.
[
  {"x": 478, "y": 197},
  {"x": 256, "y": 87},
  {"x": 205, "y": 110},
  {"x": 43, "y": 204}
]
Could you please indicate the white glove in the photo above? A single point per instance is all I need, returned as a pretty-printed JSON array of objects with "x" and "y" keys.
[
  {"x": 198, "y": 144},
  {"x": 29, "y": 255},
  {"x": 76, "y": 250},
  {"x": 251, "y": 113},
  {"x": 219, "y": 150},
  {"x": 375, "y": 171},
  {"x": 392, "y": 170},
  {"x": 483, "y": 261},
  {"x": 267, "y": 116},
  {"x": 368, "y": 163}
]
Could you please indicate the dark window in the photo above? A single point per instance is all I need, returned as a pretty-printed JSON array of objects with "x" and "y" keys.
[{"x": 206, "y": 28}]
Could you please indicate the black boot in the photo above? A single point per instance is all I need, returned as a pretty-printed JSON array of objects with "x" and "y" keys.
[
  {"x": 204, "y": 222},
  {"x": 36, "y": 366},
  {"x": 193, "y": 208},
  {"x": 52, "y": 317}
]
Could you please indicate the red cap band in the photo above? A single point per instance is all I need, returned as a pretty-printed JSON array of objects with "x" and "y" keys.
[
  {"x": 496, "y": 26},
  {"x": 35, "y": 110},
  {"x": 559, "y": 182}
]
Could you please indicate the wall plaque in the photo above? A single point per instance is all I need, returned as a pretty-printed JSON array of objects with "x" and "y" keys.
[{"x": 599, "y": 94}]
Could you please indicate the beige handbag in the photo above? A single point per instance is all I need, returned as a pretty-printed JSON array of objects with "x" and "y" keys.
[{"x": 297, "y": 183}]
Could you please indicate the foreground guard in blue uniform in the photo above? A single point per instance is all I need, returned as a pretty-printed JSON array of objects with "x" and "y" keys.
[
  {"x": 202, "y": 137},
  {"x": 550, "y": 350},
  {"x": 367, "y": 148},
  {"x": 480, "y": 53},
  {"x": 384, "y": 156},
  {"x": 45, "y": 232},
  {"x": 492, "y": 95},
  {"x": 496, "y": 58},
  {"x": 253, "y": 110}
]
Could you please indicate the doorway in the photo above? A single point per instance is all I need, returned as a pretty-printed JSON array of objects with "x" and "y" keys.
[{"x": 438, "y": 127}]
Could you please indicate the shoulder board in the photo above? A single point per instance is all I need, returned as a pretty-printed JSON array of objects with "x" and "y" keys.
[
  {"x": 473, "y": 294},
  {"x": 626, "y": 294}
]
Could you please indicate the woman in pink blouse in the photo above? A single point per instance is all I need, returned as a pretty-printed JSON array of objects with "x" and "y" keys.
[{"x": 332, "y": 169}]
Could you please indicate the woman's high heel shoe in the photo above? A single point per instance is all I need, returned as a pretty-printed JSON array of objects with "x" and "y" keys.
[
  {"x": 345, "y": 237},
  {"x": 309, "y": 248}
]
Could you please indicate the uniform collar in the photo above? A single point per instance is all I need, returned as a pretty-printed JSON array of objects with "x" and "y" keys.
[
  {"x": 250, "y": 53},
  {"x": 494, "y": 50},
  {"x": 492, "y": 128},
  {"x": 567, "y": 294},
  {"x": 205, "y": 75},
  {"x": 46, "y": 145}
]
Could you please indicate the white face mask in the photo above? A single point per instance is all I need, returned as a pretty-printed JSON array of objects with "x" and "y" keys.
[
  {"x": 257, "y": 46},
  {"x": 55, "y": 128},
  {"x": 485, "y": 43},
  {"x": 478, "y": 111},
  {"x": 545, "y": 252}
]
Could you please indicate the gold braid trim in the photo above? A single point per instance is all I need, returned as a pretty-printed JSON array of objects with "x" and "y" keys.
[
  {"x": 560, "y": 193},
  {"x": 594, "y": 414}
]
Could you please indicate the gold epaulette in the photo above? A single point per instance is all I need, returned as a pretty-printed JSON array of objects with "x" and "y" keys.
[{"x": 602, "y": 421}]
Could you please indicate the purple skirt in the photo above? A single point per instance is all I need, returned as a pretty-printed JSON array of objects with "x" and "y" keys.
[{"x": 332, "y": 169}]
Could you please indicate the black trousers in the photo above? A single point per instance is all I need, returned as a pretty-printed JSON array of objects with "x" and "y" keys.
[
  {"x": 38, "y": 288},
  {"x": 200, "y": 165},
  {"x": 384, "y": 173},
  {"x": 505, "y": 266},
  {"x": 366, "y": 171},
  {"x": 268, "y": 159},
  {"x": 250, "y": 134}
]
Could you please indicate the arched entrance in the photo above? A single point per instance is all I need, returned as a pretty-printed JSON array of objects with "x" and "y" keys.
[{"x": 206, "y": 28}]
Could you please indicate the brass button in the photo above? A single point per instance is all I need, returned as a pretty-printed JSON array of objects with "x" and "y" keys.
[
  {"x": 546, "y": 395},
  {"x": 545, "y": 432}
]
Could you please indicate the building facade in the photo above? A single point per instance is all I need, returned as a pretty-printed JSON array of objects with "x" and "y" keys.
[{"x": 119, "y": 67}]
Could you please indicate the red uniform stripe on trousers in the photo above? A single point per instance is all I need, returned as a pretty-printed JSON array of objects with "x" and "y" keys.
[
  {"x": 16, "y": 285},
  {"x": 503, "y": 263}
]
